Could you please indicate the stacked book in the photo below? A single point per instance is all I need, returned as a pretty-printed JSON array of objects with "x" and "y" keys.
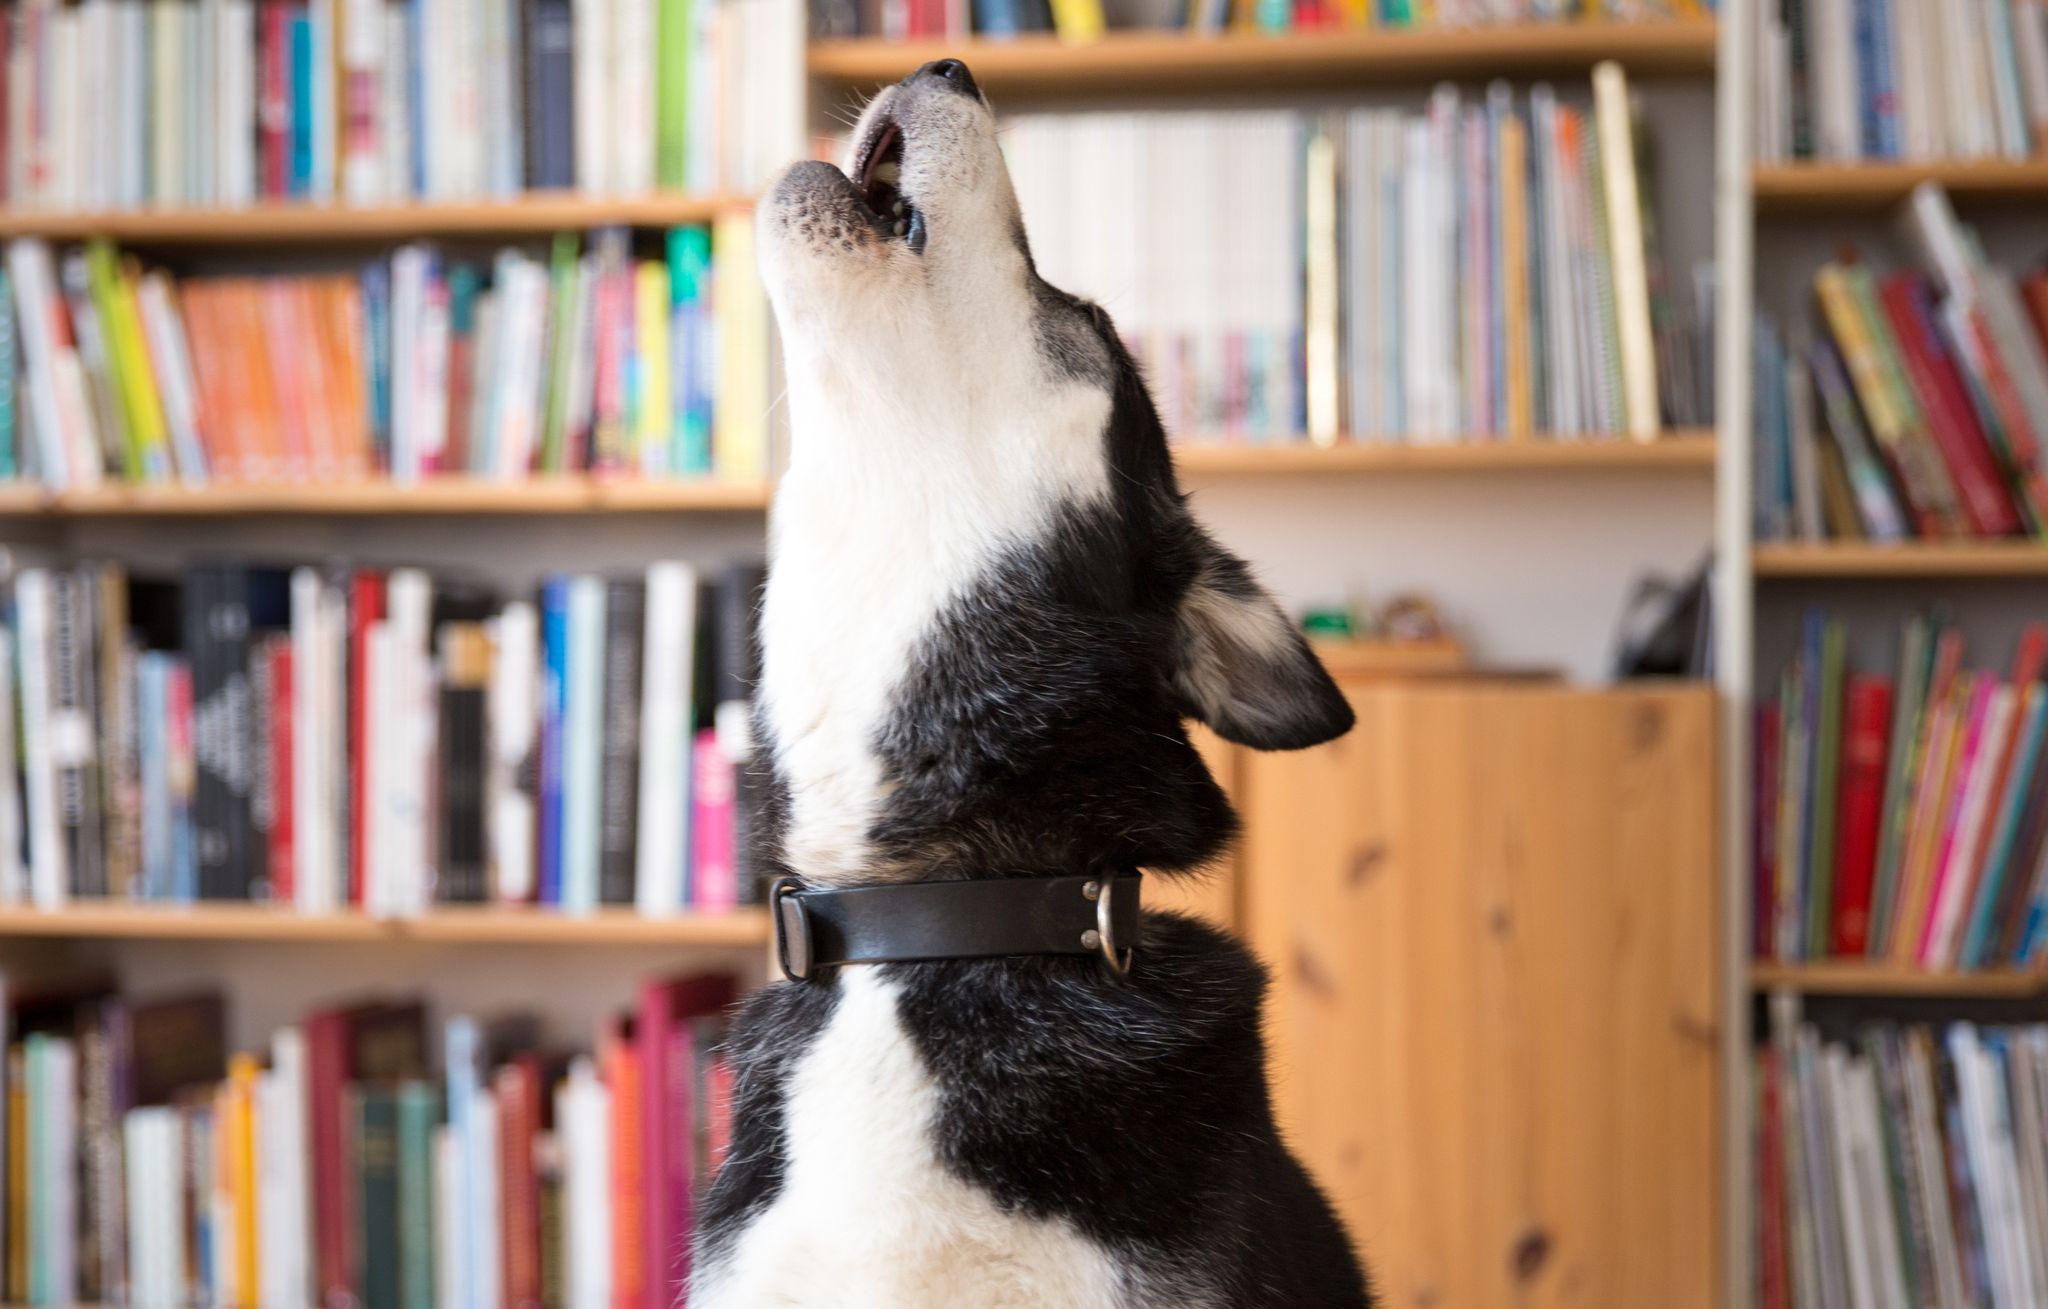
[
  {"x": 1919, "y": 405},
  {"x": 350, "y": 738},
  {"x": 1085, "y": 20},
  {"x": 1902, "y": 1166},
  {"x": 1902, "y": 815},
  {"x": 151, "y": 1167},
  {"x": 225, "y": 103},
  {"x": 418, "y": 365},
  {"x": 1483, "y": 271},
  {"x": 1845, "y": 80}
]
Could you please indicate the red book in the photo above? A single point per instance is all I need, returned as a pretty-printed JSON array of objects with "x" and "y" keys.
[
  {"x": 1764, "y": 898},
  {"x": 365, "y": 606},
  {"x": 1951, "y": 419},
  {"x": 1866, "y": 729},
  {"x": 2027, "y": 662},
  {"x": 330, "y": 1067},
  {"x": 517, "y": 1087},
  {"x": 283, "y": 878},
  {"x": 273, "y": 101},
  {"x": 620, "y": 1057},
  {"x": 2035, "y": 292},
  {"x": 668, "y": 1145}
]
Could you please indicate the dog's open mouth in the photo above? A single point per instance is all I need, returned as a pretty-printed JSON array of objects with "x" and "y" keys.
[{"x": 878, "y": 176}]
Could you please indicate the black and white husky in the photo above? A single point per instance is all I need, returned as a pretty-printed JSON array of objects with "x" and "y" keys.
[{"x": 989, "y": 614}]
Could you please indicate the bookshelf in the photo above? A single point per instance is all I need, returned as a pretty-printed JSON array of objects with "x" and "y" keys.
[
  {"x": 534, "y": 214},
  {"x": 1904, "y": 560},
  {"x": 432, "y": 497},
  {"x": 1681, "y": 451},
  {"x": 1155, "y": 63},
  {"x": 1852, "y": 979},
  {"x": 738, "y": 929},
  {"x": 1821, "y": 187}
]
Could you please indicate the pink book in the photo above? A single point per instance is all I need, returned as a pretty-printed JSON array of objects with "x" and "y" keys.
[
  {"x": 1960, "y": 791},
  {"x": 668, "y": 1145},
  {"x": 714, "y": 877}
]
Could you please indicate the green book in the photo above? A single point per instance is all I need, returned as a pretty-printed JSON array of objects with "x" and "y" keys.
[
  {"x": 418, "y": 1111},
  {"x": 1902, "y": 771},
  {"x": 1820, "y": 907},
  {"x": 564, "y": 342},
  {"x": 373, "y": 1128},
  {"x": 10, "y": 465},
  {"x": 673, "y": 41}
]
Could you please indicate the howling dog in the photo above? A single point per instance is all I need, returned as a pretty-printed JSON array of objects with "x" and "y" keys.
[{"x": 991, "y": 1083}]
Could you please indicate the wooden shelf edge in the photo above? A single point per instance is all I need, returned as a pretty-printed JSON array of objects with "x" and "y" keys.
[
  {"x": 557, "y": 495},
  {"x": 1851, "y": 979},
  {"x": 479, "y": 925},
  {"x": 1133, "y": 61},
  {"x": 279, "y": 223},
  {"x": 1676, "y": 450},
  {"x": 1871, "y": 185},
  {"x": 2016, "y": 558}
]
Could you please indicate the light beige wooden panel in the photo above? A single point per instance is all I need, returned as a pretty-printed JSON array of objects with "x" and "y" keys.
[{"x": 1490, "y": 916}]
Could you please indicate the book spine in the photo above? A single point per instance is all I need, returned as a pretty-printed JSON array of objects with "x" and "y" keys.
[
  {"x": 465, "y": 677},
  {"x": 417, "y": 1109},
  {"x": 714, "y": 875},
  {"x": 373, "y": 1136},
  {"x": 582, "y": 744},
  {"x": 619, "y": 783},
  {"x": 554, "y": 647},
  {"x": 366, "y": 611},
  {"x": 1867, "y": 714}
]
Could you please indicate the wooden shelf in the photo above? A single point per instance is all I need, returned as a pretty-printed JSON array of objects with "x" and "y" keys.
[
  {"x": 1871, "y": 186},
  {"x": 535, "y": 214},
  {"x": 480, "y": 925},
  {"x": 451, "y": 495},
  {"x": 1851, "y": 978},
  {"x": 2016, "y": 558},
  {"x": 1692, "y": 450},
  {"x": 1148, "y": 62}
]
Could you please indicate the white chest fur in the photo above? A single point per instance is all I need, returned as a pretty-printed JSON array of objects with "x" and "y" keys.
[
  {"x": 888, "y": 512},
  {"x": 867, "y": 1218}
]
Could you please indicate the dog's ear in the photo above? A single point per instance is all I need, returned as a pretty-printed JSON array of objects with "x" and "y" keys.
[{"x": 1244, "y": 669}]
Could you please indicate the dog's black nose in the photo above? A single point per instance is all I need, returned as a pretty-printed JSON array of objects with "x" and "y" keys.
[{"x": 953, "y": 72}]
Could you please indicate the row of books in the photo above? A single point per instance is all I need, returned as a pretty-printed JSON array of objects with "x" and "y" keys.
[
  {"x": 1085, "y": 20},
  {"x": 150, "y": 1165},
  {"x": 111, "y": 105},
  {"x": 1480, "y": 272},
  {"x": 1846, "y": 80},
  {"x": 1903, "y": 815},
  {"x": 1919, "y": 405},
  {"x": 1902, "y": 1166},
  {"x": 416, "y": 365},
  {"x": 347, "y": 737}
]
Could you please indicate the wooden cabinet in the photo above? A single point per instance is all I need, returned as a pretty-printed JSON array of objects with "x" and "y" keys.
[{"x": 1490, "y": 915}]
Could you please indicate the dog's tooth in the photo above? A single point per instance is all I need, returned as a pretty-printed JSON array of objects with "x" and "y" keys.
[
  {"x": 899, "y": 209},
  {"x": 901, "y": 227}
]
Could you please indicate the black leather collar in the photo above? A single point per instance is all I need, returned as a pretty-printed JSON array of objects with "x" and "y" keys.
[{"x": 817, "y": 928}]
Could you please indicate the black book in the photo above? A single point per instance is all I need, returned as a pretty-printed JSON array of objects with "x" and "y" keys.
[
  {"x": 736, "y": 669},
  {"x": 550, "y": 97},
  {"x": 619, "y": 768},
  {"x": 209, "y": 731},
  {"x": 465, "y": 677},
  {"x": 74, "y": 726}
]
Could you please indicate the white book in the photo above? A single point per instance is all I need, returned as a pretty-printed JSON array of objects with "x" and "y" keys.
[
  {"x": 395, "y": 145},
  {"x": 592, "y": 95},
  {"x": 1418, "y": 359},
  {"x": 632, "y": 87},
  {"x": 1615, "y": 125},
  {"x": 1841, "y": 1116},
  {"x": 434, "y": 335},
  {"x": 13, "y": 875},
  {"x": 378, "y": 748},
  {"x": 2030, "y": 1140},
  {"x": 1995, "y": 1204},
  {"x": 53, "y": 1202},
  {"x": 326, "y": 94},
  {"x": 2010, "y": 120},
  {"x": 410, "y": 265},
  {"x": 451, "y": 1285},
  {"x": 35, "y": 287},
  {"x": 165, "y": 334},
  {"x": 274, "y": 1258},
  {"x": 500, "y": 120},
  {"x": 168, "y": 130},
  {"x": 287, "y": 1209},
  {"x": 409, "y": 735},
  {"x": 487, "y": 1242},
  {"x": 156, "y": 1208},
  {"x": 522, "y": 352},
  {"x": 667, "y": 694},
  {"x": 2030, "y": 32},
  {"x": 314, "y": 883},
  {"x": 1958, "y": 878},
  {"x": 582, "y": 744},
  {"x": 512, "y": 703},
  {"x": 1873, "y": 1186},
  {"x": 49, "y": 874},
  {"x": 235, "y": 104},
  {"x": 67, "y": 103},
  {"x": 583, "y": 1119}
]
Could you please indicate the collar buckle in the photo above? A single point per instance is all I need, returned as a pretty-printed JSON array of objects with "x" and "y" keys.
[{"x": 793, "y": 946}]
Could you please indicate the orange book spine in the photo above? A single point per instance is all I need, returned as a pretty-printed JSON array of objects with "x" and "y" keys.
[
  {"x": 344, "y": 316},
  {"x": 242, "y": 1175},
  {"x": 622, "y": 1074},
  {"x": 216, "y": 433},
  {"x": 262, "y": 434},
  {"x": 317, "y": 373}
]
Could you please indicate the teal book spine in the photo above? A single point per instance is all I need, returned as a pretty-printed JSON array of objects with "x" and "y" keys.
[
  {"x": 373, "y": 1120},
  {"x": 417, "y": 1115},
  {"x": 1977, "y": 944},
  {"x": 10, "y": 465},
  {"x": 693, "y": 362}
]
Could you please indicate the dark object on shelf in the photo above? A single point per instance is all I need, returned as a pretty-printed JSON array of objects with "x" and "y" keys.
[{"x": 1667, "y": 628}]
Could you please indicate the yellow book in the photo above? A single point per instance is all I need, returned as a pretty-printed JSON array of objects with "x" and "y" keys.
[
  {"x": 241, "y": 1174},
  {"x": 654, "y": 413},
  {"x": 739, "y": 440},
  {"x": 1852, "y": 336},
  {"x": 1930, "y": 807},
  {"x": 1614, "y": 121},
  {"x": 1514, "y": 237},
  {"x": 1077, "y": 20},
  {"x": 113, "y": 293}
]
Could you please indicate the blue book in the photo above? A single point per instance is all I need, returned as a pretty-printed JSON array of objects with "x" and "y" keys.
[
  {"x": 10, "y": 429},
  {"x": 1877, "y": 97},
  {"x": 582, "y": 731},
  {"x": 301, "y": 29},
  {"x": 376, "y": 284},
  {"x": 995, "y": 19},
  {"x": 554, "y": 660}
]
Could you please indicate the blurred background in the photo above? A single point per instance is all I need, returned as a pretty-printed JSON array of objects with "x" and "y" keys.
[{"x": 1639, "y": 402}]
